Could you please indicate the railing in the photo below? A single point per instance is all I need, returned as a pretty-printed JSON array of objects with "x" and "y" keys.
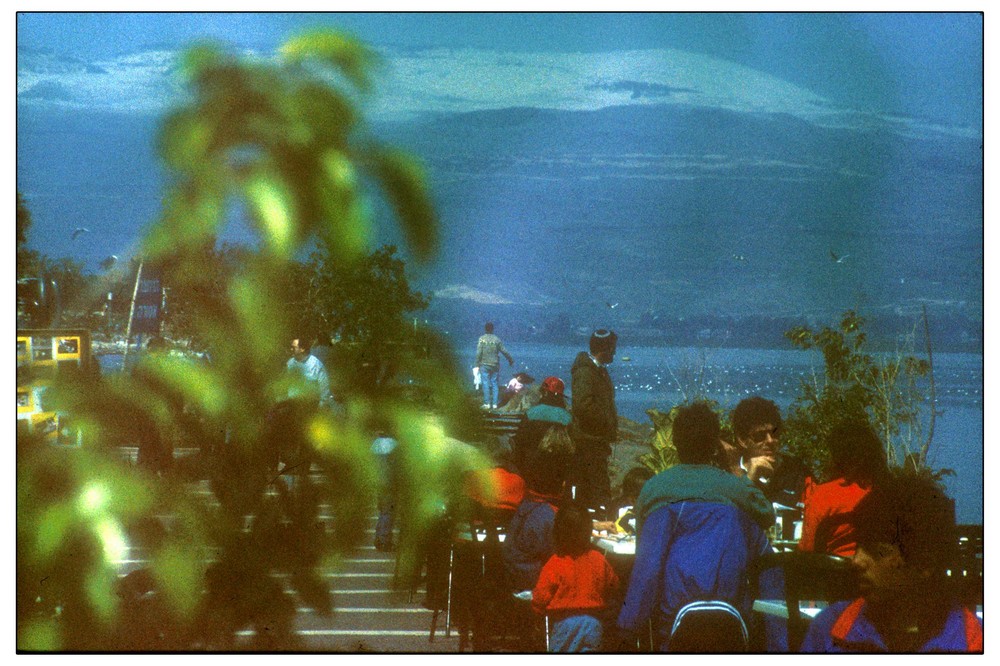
[{"x": 500, "y": 425}]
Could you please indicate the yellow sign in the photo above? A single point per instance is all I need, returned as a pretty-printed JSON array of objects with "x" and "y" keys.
[{"x": 41, "y": 354}]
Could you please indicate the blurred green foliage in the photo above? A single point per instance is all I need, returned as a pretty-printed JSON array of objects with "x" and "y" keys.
[
  {"x": 238, "y": 535},
  {"x": 884, "y": 390}
]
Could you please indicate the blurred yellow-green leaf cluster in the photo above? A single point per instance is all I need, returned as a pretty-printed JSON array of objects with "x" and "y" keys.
[{"x": 234, "y": 533}]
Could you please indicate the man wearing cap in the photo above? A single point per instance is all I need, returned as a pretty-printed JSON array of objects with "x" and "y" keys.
[
  {"x": 595, "y": 420},
  {"x": 488, "y": 350}
]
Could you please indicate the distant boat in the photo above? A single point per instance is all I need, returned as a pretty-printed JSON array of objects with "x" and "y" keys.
[{"x": 626, "y": 358}]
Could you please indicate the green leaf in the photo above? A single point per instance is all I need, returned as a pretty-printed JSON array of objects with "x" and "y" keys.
[
  {"x": 273, "y": 208},
  {"x": 100, "y": 595},
  {"x": 404, "y": 181},
  {"x": 39, "y": 635},
  {"x": 53, "y": 526},
  {"x": 179, "y": 574},
  {"x": 185, "y": 140},
  {"x": 338, "y": 49},
  {"x": 199, "y": 59}
]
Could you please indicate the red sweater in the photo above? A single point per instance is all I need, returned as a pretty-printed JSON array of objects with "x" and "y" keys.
[
  {"x": 570, "y": 585},
  {"x": 827, "y": 524}
]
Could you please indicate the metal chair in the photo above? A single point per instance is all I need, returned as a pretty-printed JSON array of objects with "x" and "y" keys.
[
  {"x": 708, "y": 626},
  {"x": 803, "y": 576}
]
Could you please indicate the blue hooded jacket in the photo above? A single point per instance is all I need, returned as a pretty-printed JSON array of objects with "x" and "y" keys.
[
  {"x": 700, "y": 531},
  {"x": 843, "y": 627}
]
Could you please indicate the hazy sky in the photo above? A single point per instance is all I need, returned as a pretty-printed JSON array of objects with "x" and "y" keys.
[
  {"x": 913, "y": 64},
  {"x": 916, "y": 76}
]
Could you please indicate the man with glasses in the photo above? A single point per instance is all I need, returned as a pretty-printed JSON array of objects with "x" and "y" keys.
[{"x": 757, "y": 452}]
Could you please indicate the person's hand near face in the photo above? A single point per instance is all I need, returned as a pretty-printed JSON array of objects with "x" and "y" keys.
[{"x": 760, "y": 451}]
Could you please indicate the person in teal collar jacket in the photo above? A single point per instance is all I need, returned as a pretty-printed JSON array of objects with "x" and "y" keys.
[{"x": 700, "y": 530}]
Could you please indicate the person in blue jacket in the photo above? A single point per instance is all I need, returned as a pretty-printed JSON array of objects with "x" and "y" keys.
[
  {"x": 906, "y": 540},
  {"x": 699, "y": 531}
]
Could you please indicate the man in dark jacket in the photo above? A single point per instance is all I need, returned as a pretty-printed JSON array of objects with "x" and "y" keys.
[
  {"x": 595, "y": 420},
  {"x": 758, "y": 453}
]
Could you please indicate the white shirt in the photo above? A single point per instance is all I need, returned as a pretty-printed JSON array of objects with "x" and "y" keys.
[{"x": 311, "y": 370}]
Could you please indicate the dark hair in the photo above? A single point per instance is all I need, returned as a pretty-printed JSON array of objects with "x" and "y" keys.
[
  {"x": 633, "y": 482},
  {"x": 545, "y": 472},
  {"x": 489, "y": 327},
  {"x": 603, "y": 340},
  {"x": 571, "y": 530},
  {"x": 551, "y": 399},
  {"x": 696, "y": 433},
  {"x": 912, "y": 513},
  {"x": 856, "y": 453},
  {"x": 752, "y": 412}
]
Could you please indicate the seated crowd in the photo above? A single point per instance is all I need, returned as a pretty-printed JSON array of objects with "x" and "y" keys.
[{"x": 701, "y": 528}]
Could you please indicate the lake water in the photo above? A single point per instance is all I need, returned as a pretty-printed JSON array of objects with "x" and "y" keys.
[{"x": 660, "y": 377}]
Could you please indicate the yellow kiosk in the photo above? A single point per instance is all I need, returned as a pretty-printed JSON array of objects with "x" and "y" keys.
[{"x": 41, "y": 355}]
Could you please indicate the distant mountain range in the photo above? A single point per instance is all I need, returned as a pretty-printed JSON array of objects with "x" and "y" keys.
[
  {"x": 663, "y": 209},
  {"x": 686, "y": 211}
]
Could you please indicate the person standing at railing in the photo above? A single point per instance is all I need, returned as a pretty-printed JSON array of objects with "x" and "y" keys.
[
  {"x": 595, "y": 421},
  {"x": 488, "y": 351}
]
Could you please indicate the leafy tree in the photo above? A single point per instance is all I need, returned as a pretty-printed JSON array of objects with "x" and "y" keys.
[
  {"x": 187, "y": 298},
  {"x": 886, "y": 390},
  {"x": 27, "y": 260},
  {"x": 23, "y": 220},
  {"x": 283, "y": 140},
  {"x": 365, "y": 305}
]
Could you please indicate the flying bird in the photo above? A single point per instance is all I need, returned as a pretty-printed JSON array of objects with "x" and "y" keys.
[
  {"x": 108, "y": 262},
  {"x": 838, "y": 259},
  {"x": 80, "y": 230}
]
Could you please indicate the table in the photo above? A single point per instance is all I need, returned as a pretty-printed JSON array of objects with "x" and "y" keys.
[{"x": 625, "y": 546}]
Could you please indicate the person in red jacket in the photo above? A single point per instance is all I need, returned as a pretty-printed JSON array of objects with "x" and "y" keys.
[
  {"x": 906, "y": 542},
  {"x": 857, "y": 463},
  {"x": 575, "y": 585}
]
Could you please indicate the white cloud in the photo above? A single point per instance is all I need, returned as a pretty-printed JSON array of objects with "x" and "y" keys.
[
  {"x": 463, "y": 292},
  {"x": 460, "y": 80}
]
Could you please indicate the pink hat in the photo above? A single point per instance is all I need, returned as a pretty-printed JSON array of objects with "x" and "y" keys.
[{"x": 553, "y": 385}]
